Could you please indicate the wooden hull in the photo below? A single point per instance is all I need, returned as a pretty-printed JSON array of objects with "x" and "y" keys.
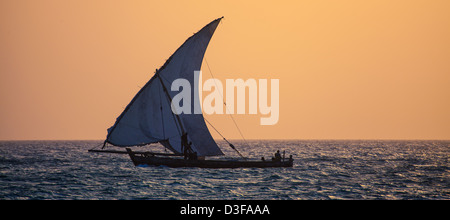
[{"x": 142, "y": 159}]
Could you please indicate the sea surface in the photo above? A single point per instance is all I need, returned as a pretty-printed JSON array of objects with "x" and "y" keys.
[{"x": 323, "y": 169}]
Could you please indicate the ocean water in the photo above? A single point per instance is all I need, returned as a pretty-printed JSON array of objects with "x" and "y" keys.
[{"x": 323, "y": 169}]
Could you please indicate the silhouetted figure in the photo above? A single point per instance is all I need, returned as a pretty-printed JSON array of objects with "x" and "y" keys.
[
  {"x": 186, "y": 146},
  {"x": 277, "y": 156}
]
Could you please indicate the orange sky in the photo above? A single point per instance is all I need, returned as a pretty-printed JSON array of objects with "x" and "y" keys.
[{"x": 347, "y": 69}]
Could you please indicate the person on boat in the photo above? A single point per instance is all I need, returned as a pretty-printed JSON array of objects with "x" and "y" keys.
[
  {"x": 188, "y": 153},
  {"x": 185, "y": 146},
  {"x": 277, "y": 156}
]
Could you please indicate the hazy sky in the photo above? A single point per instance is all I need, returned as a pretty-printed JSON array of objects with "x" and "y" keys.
[{"x": 347, "y": 69}]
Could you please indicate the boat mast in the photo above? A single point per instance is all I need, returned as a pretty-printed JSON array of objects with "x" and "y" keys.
[{"x": 185, "y": 145}]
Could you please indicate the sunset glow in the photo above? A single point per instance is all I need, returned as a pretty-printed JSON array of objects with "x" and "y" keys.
[{"x": 346, "y": 69}]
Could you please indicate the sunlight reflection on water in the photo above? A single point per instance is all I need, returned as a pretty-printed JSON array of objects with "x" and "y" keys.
[{"x": 322, "y": 170}]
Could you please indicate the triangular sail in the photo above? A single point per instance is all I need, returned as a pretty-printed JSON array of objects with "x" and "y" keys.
[{"x": 149, "y": 118}]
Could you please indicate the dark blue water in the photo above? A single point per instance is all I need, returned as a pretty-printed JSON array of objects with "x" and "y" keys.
[{"x": 322, "y": 170}]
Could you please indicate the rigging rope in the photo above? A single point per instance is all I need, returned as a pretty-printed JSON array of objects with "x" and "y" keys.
[
  {"x": 228, "y": 112},
  {"x": 240, "y": 132},
  {"x": 230, "y": 144}
]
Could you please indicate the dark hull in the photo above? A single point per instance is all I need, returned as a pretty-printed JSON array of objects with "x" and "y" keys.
[{"x": 141, "y": 159}]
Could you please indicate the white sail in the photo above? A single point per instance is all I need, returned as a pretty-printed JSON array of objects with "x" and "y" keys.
[{"x": 149, "y": 118}]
